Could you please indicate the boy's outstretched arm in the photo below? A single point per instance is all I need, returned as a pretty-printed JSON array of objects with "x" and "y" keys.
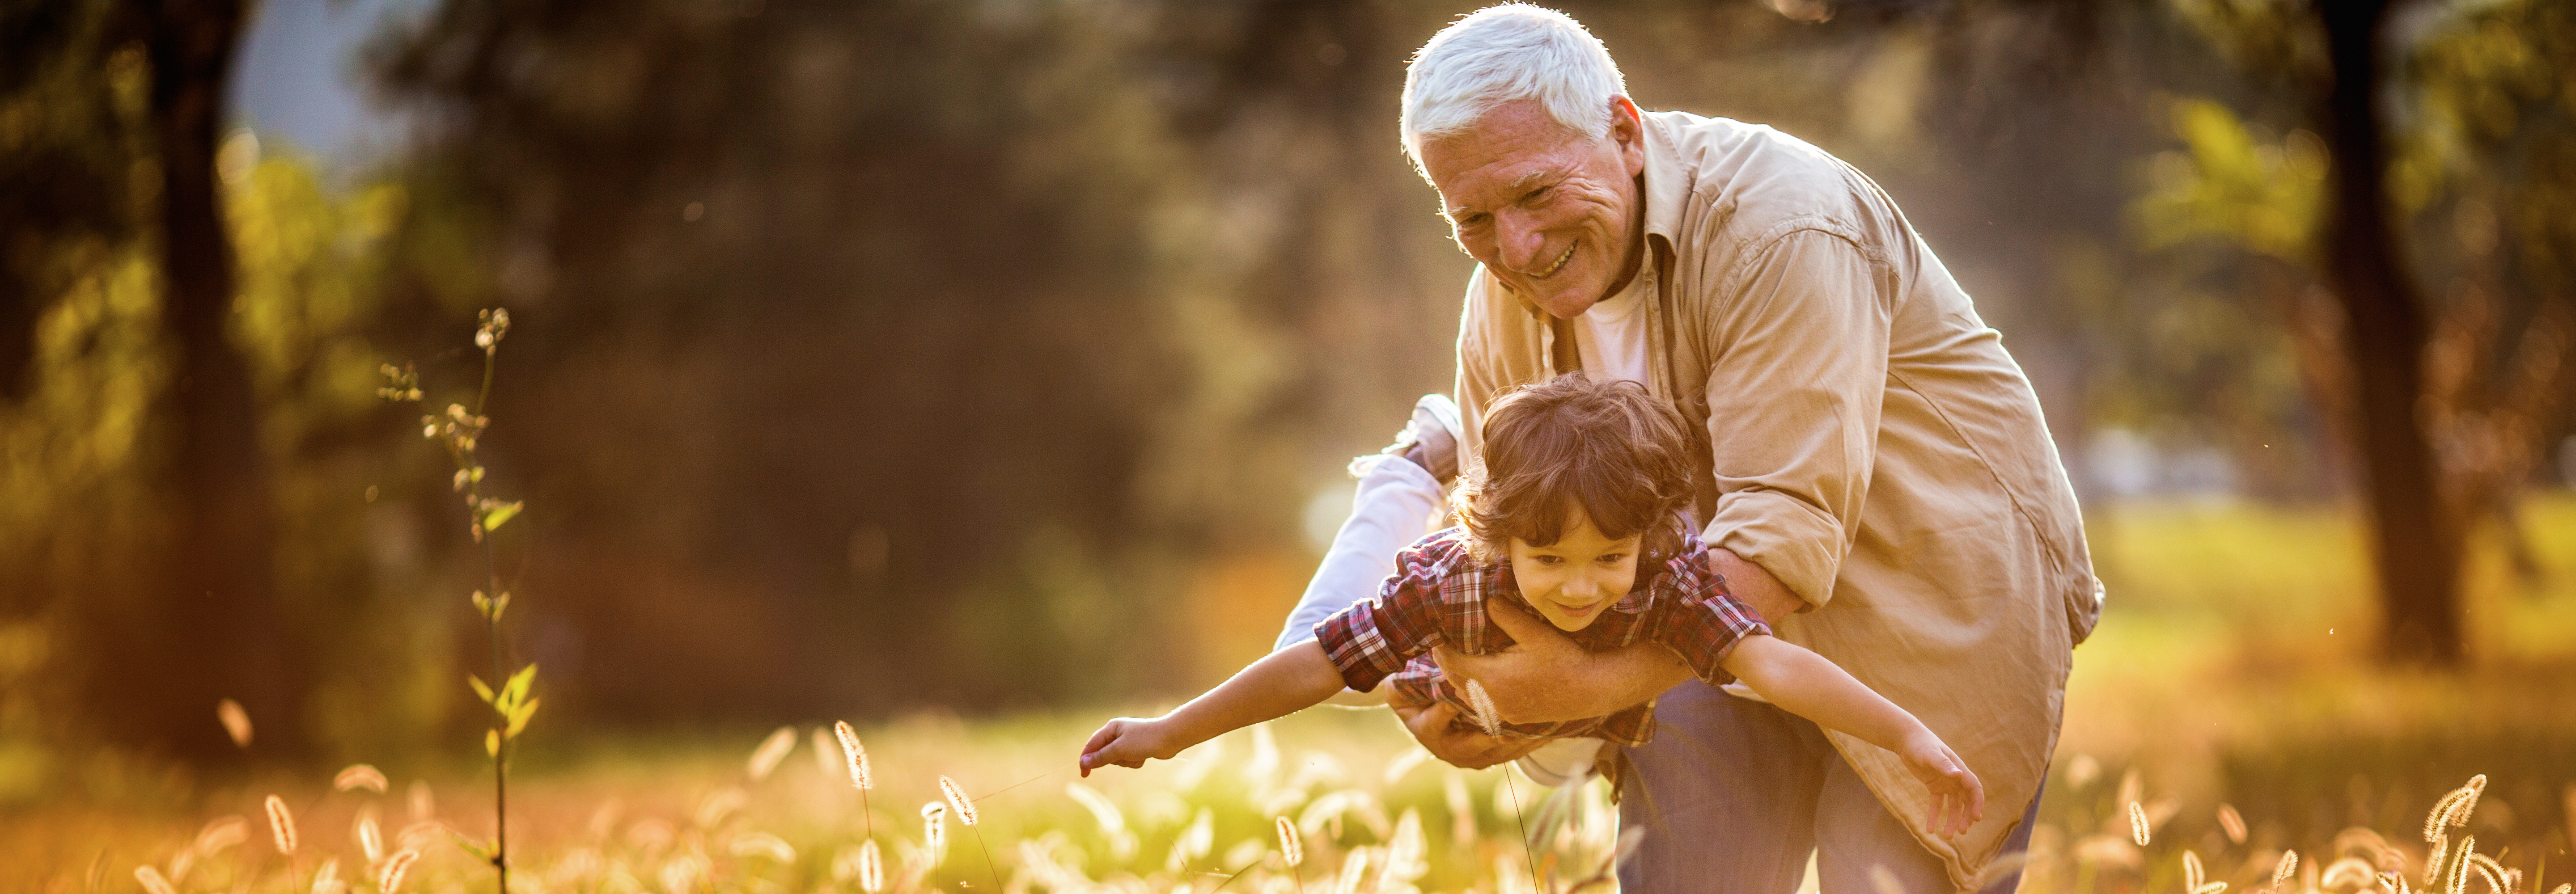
[
  {"x": 1804, "y": 683},
  {"x": 1282, "y": 683}
]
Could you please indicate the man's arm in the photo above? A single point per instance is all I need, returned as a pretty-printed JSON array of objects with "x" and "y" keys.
[
  {"x": 1794, "y": 396},
  {"x": 1547, "y": 678}
]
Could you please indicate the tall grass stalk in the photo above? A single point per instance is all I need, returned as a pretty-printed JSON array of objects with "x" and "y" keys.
[{"x": 461, "y": 432}]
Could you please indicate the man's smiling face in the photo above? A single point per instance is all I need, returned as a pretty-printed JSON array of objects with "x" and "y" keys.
[{"x": 1554, "y": 214}]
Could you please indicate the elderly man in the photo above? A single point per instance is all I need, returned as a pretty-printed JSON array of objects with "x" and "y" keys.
[{"x": 1880, "y": 483}]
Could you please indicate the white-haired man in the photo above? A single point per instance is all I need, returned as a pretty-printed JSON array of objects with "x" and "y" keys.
[{"x": 1881, "y": 484}]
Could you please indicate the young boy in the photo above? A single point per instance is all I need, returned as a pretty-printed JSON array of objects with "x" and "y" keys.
[{"x": 1582, "y": 486}]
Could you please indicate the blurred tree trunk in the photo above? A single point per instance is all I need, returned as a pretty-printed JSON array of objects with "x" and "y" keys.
[
  {"x": 2416, "y": 542},
  {"x": 213, "y": 631}
]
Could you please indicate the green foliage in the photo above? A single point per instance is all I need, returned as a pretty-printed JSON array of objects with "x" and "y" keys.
[{"x": 2226, "y": 183}]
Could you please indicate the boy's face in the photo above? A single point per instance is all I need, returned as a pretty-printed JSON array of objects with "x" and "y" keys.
[{"x": 1572, "y": 580}]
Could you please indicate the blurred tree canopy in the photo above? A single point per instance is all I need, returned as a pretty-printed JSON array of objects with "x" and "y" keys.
[{"x": 896, "y": 354}]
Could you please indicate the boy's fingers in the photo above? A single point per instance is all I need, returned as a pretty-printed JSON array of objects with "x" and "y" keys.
[{"x": 1108, "y": 732}]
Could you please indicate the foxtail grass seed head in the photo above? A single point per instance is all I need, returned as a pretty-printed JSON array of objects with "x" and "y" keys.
[
  {"x": 359, "y": 776},
  {"x": 856, "y": 754},
  {"x": 2281, "y": 873},
  {"x": 1354, "y": 868},
  {"x": 871, "y": 867},
  {"x": 327, "y": 879},
  {"x": 1112, "y": 823},
  {"x": 235, "y": 720},
  {"x": 2138, "y": 830},
  {"x": 2468, "y": 802},
  {"x": 281, "y": 825},
  {"x": 2457, "y": 872},
  {"x": 2563, "y": 889},
  {"x": 762, "y": 844},
  {"x": 2486, "y": 868},
  {"x": 371, "y": 840},
  {"x": 390, "y": 879},
  {"x": 2232, "y": 823},
  {"x": 934, "y": 830},
  {"x": 957, "y": 800},
  {"x": 764, "y": 760},
  {"x": 221, "y": 834},
  {"x": 152, "y": 881},
  {"x": 2191, "y": 871},
  {"x": 1292, "y": 847},
  {"x": 1487, "y": 718},
  {"x": 423, "y": 804}
]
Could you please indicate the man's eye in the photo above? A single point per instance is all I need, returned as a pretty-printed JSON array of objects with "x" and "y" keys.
[{"x": 1538, "y": 195}]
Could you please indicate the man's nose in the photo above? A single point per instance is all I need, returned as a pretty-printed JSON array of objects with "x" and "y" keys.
[{"x": 1518, "y": 241}]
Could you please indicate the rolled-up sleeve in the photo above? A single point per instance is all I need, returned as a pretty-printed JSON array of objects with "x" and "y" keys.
[
  {"x": 1704, "y": 623},
  {"x": 1794, "y": 397},
  {"x": 1375, "y": 638}
]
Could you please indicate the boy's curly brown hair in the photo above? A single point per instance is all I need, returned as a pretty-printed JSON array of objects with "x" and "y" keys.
[{"x": 1605, "y": 449}]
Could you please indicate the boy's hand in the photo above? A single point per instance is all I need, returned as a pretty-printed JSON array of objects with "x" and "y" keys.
[
  {"x": 1127, "y": 742},
  {"x": 1958, "y": 799}
]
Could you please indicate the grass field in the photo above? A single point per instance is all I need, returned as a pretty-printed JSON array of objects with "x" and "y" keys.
[{"x": 2232, "y": 669}]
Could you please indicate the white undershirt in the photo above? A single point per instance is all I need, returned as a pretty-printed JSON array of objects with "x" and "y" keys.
[{"x": 1611, "y": 336}]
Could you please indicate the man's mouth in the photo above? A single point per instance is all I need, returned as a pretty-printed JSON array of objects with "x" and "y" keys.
[{"x": 1558, "y": 264}]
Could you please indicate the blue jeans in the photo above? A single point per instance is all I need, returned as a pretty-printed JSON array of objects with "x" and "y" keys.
[{"x": 1734, "y": 793}]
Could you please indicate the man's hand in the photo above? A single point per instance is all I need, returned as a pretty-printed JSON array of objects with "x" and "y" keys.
[
  {"x": 1467, "y": 750},
  {"x": 1754, "y": 586},
  {"x": 1545, "y": 677}
]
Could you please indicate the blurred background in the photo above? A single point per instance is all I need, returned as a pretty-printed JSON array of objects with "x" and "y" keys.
[{"x": 874, "y": 359}]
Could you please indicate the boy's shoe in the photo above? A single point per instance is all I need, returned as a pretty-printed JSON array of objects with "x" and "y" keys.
[{"x": 1430, "y": 440}]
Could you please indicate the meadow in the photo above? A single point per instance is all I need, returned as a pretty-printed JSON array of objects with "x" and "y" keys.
[{"x": 2227, "y": 713}]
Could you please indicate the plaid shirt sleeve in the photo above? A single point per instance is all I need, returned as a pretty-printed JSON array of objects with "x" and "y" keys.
[
  {"x": 1700, "y": 620},
  {"x": 1374, "y": 638}
]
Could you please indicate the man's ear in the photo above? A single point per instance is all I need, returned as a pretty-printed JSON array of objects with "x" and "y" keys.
[{"x": 1628, "y": 130}]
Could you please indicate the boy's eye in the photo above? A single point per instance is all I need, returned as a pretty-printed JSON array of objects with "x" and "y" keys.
[
  {"x": 1612, "y": 558},
  {"x": 1549, "y": 560}
]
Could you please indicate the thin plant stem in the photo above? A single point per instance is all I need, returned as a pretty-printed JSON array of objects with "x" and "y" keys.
[
  {"x": 1026, "y": 781},
  {"x": 1515, "y": 791},
  {"x": 492, "y": 634},
  {"x": 989, "y": 866}
]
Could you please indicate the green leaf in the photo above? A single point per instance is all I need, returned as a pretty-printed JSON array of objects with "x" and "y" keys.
[
  {"x": 471, "y": 846},
  {"x": 482, "y": 691},
  {"x": 519, "y": 718},
  {"x": 501, "y": 514},
  {"x": 516, "y": 690}
]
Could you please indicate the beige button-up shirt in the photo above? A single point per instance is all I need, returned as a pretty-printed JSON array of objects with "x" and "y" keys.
[{"x": 1869, "y": 443}]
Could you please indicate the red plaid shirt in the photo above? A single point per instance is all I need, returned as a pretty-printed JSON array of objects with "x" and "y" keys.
[{"x": 1437, "y": 598}]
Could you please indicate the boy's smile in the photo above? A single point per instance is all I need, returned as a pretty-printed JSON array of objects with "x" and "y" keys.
[{"x": 1572, "y": 580}]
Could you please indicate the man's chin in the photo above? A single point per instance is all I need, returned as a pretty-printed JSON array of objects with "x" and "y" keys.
[{"x": 1568, "y": 304}]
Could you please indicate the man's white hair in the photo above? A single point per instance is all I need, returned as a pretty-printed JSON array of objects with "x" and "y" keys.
[{"x": 1504, "y": 53}]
